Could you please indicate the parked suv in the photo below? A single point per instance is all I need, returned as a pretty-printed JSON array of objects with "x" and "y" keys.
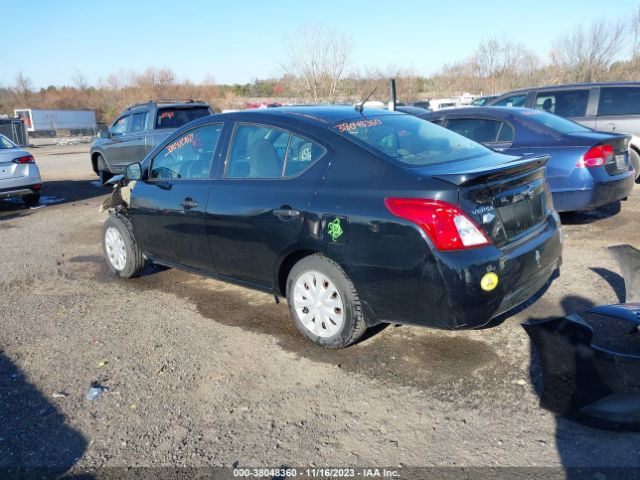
[
  {"x": 608, "y": 107},
  {"x": 136, "y": 131}
]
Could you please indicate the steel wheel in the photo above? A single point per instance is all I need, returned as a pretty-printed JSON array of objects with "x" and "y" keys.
[
  {"x": 115, "y": 247},
  {"x": 318, "y": 304}
]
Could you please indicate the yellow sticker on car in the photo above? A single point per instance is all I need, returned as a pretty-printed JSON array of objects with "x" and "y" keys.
[{"x": 489, "y": 281}]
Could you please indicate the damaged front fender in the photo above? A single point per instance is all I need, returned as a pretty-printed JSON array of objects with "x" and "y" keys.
[{"x": 121, "y": 195}]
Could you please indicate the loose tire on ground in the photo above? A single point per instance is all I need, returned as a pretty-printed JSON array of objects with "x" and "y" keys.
[
  {"x": 324, "y": 303},
  {"x": 119, "y": 247}
]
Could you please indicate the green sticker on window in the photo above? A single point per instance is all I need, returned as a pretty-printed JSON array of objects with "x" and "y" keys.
[{"x": 334, "y": 229}]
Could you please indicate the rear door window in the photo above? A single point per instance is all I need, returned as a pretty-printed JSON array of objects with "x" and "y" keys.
[
  {"x": 481, "y": 130},
  {"x": 175, "y": 117},
  {"x": 139, "y": 122},
  {"x": 506, "y": 134},
  {"x": 566, "y": 103},
  {"x": 619, "y": 101},
  {"x": 187, "y": 157},
  {"x": 263, "y": 152}
]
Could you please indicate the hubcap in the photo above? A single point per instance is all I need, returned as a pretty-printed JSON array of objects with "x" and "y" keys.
[
  {"x": 318, "y": 304},
  {"x": 114, "y": 245}
]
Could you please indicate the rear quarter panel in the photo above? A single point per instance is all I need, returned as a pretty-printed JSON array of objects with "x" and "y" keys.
[{"x": 387, "y": 258}]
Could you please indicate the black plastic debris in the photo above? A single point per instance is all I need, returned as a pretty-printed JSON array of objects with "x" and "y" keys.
[{"x": 590, "y": 363}]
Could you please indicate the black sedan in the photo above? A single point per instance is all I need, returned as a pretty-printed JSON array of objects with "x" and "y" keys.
[
  {"x": 356, "y": 218},
  {"x": 587, "y": 169}
]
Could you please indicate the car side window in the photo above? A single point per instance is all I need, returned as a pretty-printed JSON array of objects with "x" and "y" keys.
[
  {"x": 481, "y": 130},
  {"x": 566, "y": 103},
  {"x": 120, "y": 126},
  {"x": 258, "y": 151},
  {"x": 512, "y": 101},
  {"x": 139, "y": 122},
  {"x": 187, "y": 157},
  {"x": 619, "y": 101},
  {"x": 301, "y": 154},
  {"x": 506, "y": 133}
]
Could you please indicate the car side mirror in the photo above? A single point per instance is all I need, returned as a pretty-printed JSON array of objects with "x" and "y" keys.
[
  {"x": 103, "y": 134},
  {"x": 133, "y": 172}
]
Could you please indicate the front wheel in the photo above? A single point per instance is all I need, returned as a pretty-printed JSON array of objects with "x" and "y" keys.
[
  {"x": 121, "y": 252},
  {"x": 324, "y": 303}
]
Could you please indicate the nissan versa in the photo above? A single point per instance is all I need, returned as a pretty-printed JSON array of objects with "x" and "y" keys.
[{"x": 356, "y": 217}]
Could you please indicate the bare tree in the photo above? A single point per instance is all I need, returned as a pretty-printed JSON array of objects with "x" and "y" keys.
[
  {"x": 80, "y": 81},
  {"x": 318, "y": 58},
  {"x": 23, "y": 88},
  {"x": 586, "y": 54}
]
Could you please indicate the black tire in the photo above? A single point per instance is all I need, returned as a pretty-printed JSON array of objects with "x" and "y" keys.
[
  {"x": 104, "y": 175},
  {"x": 31, "y": 200},
  {"x": 134, "y": 261},
  {"x": 635, "y": 161},
  {"x": 353, "y": 323}
]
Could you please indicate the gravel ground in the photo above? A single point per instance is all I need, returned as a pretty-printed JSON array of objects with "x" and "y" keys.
[{"x": 203, "y": 373}]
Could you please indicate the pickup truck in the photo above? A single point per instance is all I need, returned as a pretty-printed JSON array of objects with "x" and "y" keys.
[{"x": 137, "y": 130}]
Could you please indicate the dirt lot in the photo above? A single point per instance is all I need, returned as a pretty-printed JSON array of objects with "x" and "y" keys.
[{"x": 203, "y": 373}]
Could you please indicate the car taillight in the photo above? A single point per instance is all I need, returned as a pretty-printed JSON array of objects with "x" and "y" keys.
[
  {"x": 25, "y": 159},
  {"x": 448, "y": 227},
  {"x": 596, "y": 156}
]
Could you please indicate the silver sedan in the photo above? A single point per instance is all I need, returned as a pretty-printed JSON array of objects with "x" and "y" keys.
[{"x": 19, "y": 174}]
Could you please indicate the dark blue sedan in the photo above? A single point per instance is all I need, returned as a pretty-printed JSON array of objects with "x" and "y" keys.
[{"x": 587, "y": 169}]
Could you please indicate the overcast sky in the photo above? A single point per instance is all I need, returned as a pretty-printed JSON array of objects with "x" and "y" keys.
[{"x": 237, "y": 41}]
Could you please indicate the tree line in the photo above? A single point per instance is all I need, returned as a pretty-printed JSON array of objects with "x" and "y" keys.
[{"x": 319, "y": 68}]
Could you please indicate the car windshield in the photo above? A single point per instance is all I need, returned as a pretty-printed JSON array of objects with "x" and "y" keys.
[
  {"x": 175, "y": 117},
  {"x": 554, "y": 122},
  {"x": 410, "y": 140},
  {"x": 5, "y": 143}
]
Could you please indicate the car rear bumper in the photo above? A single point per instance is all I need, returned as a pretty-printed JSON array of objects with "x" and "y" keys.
[
  {"x": 20, "y": 192},
  {"x": 599, "y": 194},
  {"x": 448, "y": 294},
  {"x": 20, "y": 186}
]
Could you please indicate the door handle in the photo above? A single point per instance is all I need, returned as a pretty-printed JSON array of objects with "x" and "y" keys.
[
  {"x": 286, "y": 212},
  {"x": 188, "y": 203},
  {"x": 610, "y": 126}
]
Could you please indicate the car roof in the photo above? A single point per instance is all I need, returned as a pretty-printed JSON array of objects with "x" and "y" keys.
[
  {"x": 502, "y": 112},
  {"x": 573, "y": 85},
  {"x": 309, "y": 114},
  {"x": 168, "y": 104}
]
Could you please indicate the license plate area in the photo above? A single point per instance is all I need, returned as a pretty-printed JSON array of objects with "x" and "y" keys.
[
  {"x": 522, "y": 208},
  {"x": 621, "y": 163}
]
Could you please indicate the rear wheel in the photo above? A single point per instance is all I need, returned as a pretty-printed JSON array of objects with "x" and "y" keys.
[
  {"x": 324, "y": 303},
  {"x": 121, "y": 252}
]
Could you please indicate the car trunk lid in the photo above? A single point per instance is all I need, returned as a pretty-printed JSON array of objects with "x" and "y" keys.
[
  {"x": 508, "y": 200},
  {"x": 9, "y": 169}
]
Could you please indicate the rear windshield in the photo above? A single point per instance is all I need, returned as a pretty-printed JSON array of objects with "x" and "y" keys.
[
  {"x": 172, "y": 117},
  {"x": 554, "y": 122},
  {"x": 410, "y": 140}
]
